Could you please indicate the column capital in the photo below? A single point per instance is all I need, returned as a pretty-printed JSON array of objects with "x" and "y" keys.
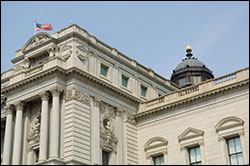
[
  {"x": 55, "y": 91},
  {"x": 9, "y": 109},
  {"x": 19, "y": 105},
  {"x": 44, "y": 95},
  {"x": 96, "y": 101},
  {"x": 118, "y": 112}
]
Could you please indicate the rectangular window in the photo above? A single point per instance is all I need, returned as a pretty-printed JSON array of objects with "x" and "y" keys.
[
  {"x": 104, "y": 70},
  {"x": 235, "y": 151},
  {"x": 158, "y": 160},
  {"x": 105, "y": 158},
  {"x": 143, "y": 91},
  {"x": 194, "y": 156},
  {"x": 182, "y": 82},
  {"x": 124, "y": 81}
]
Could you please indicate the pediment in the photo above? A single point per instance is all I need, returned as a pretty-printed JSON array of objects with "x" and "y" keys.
[
  {"x": 155, "y": 142},
  {"x": 36, "y": 40},
  {"x": 190, "y": 133},
  {"x": 229, "y": 122}
]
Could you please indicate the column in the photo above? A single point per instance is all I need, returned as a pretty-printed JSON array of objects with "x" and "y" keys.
[
  {"x": 55, "y": 114},
  {"x": 119, "y": 115},
  {"x": 97, "y": 150},
  {"x": 30, "y": 160},
  {"x": 18, "y": 133},
  {"x": 8, "y": 135},
  {"x": 44, "y": 126}
]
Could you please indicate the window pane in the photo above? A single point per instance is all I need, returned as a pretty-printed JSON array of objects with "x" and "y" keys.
[
  {"x": 237, "y": 144},
  {"x": 159, "y": 160},
  {"x": 104, "y": 70},
  {"x": 124, "y": 81},
  {"x": 192, "y": 155},
  {"x": 143, "y": 91},
  {"x": 182, "y": 82},
  {"x": 198, "y": 154},
  {"x": 231, "y": 146},
  {"x": 233, "y": 160},
  {"x": 162, "y": 160},
  {"x": 240, "y": 159}
]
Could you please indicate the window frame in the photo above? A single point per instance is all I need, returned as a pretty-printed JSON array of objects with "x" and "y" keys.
[
  {"x": 143, "y": 87},
  {"x": 194, "y": 147},
  {"x": 157, "y": 156},
  {"x": 236, "y": 153}
]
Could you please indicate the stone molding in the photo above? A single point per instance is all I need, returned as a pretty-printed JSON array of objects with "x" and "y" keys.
[
  {"x": 155, "y": 142},
  {"x": 44, "y": 96},
  {"x": 107, "y": 110},
  {"x": 186, "y": 134},
  {"x": 56, "y": 91},
  {"x": 118, "y": 112},
  {"x": 197, "y": 110},
  {"x": 3, "y": 99},
  {"x": 9, "y": 109},
  {"x": 130, "y": 119},
  {"x": 74, "y": 94},
  {"x": 191, "y": 99},
  {"x": 19, "y": 106},
  {"x": 221, "y": 125}
]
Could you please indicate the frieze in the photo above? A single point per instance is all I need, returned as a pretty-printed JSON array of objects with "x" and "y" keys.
[{"x": 74, "y": 94}]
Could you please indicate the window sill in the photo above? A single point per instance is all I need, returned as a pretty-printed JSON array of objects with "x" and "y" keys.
[
  {"x": 125, "y": 88},
  {"x": 105, "y": 78}
]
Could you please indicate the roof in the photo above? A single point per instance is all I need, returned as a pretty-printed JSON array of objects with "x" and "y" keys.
[{"x": 191, "y": 62}]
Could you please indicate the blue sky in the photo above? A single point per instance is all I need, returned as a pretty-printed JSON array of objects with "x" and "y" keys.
[{"x": 155, "y": 34}]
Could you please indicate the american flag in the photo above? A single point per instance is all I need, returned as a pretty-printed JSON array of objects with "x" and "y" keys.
[{"x": 46, "y": 27}]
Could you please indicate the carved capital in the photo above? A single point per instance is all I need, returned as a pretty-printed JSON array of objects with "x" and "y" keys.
[
  {"x": 96, "y": 102},
  {"x": 118, "y": 112},
  {"x": 44, "y": 95},
  {"x": 9, "y": 109},
  {"x": 19, "y": 106},
  {"x": 55, "y": 91}
]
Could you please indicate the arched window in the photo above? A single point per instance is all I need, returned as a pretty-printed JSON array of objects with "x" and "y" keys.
[
  {"x": 156, "y": 151},
  {"x": 232, "y": 140}
]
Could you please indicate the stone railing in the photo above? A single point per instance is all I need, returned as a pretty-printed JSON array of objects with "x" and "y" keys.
[
  {"x": 197, "y": 89},
  {"x": 225, "y": 78}
]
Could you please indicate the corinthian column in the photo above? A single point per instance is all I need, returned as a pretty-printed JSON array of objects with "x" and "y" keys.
[
  {"x": 8, "y": 135},
  {"x": 54, "y": 143},
  {"x": 18, "y": 133},
  {"x": 44, "y": 126}
]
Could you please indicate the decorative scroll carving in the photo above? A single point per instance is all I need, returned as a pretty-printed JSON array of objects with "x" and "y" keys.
[
  {"x": 53, "y": 51},
  {"x": 9, "y": 109},
  {"x": 55, "y": 91},
  {"x": 44, "y": 96},
  {"x": 33, "y": 136},
  {"x": 74, "y": 94},
  {"x": 96, "y": 102},
  {"x": 118, "y": 112},
  {"x": 19, "y": 106},
  {"x": 130, "y": 119},
  {"x": 36, "y": 40}
]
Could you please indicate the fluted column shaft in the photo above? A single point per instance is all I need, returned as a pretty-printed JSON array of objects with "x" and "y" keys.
[
  {"x": 44, "y": 126},
  {"x": 8, "y": 135},
  {"x": 55, "y": 114},
  {"x": 18, "y": 134}
]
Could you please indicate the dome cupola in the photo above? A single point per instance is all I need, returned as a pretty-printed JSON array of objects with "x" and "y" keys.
[{"x": 190, "y": 71}]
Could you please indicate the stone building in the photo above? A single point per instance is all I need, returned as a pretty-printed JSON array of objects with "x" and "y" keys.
[{"x": 72, "y": 99}]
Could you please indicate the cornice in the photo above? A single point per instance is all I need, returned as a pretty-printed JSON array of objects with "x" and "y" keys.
[
  {"x": 69, "y": 72},
  {"x": 191, "y": 99}
]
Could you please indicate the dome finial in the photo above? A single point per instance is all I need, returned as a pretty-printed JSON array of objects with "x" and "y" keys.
[{"x": 189, "y": 50}]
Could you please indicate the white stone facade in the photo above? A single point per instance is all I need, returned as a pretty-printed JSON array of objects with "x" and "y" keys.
[{"x": 57, "y": 107}]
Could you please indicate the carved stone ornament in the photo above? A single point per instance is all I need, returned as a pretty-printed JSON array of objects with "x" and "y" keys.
[
  {"x": 107, "y": 110},
  {"x": 96, "y": 102},
  {"x": 130, "y": 119},
  {"x": 9, "y": 109},
  {"x": 55, "y": 91},
  {"x": 36, "y": 40},
  {"x": 108, "y": 138},
  {"x": 33, "y": 136},
  {"x": 44, "y": 96},
  {"x": 19, "y": 106},
  {"x": 65, "y": 52},
  {"x": 82, "y": 52},
  {"x": 74, "y": 94},
  {"x": 118, "y": 112},
  {"x": 3, "y": 99},
  {"x": 53, "y": 51}
]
